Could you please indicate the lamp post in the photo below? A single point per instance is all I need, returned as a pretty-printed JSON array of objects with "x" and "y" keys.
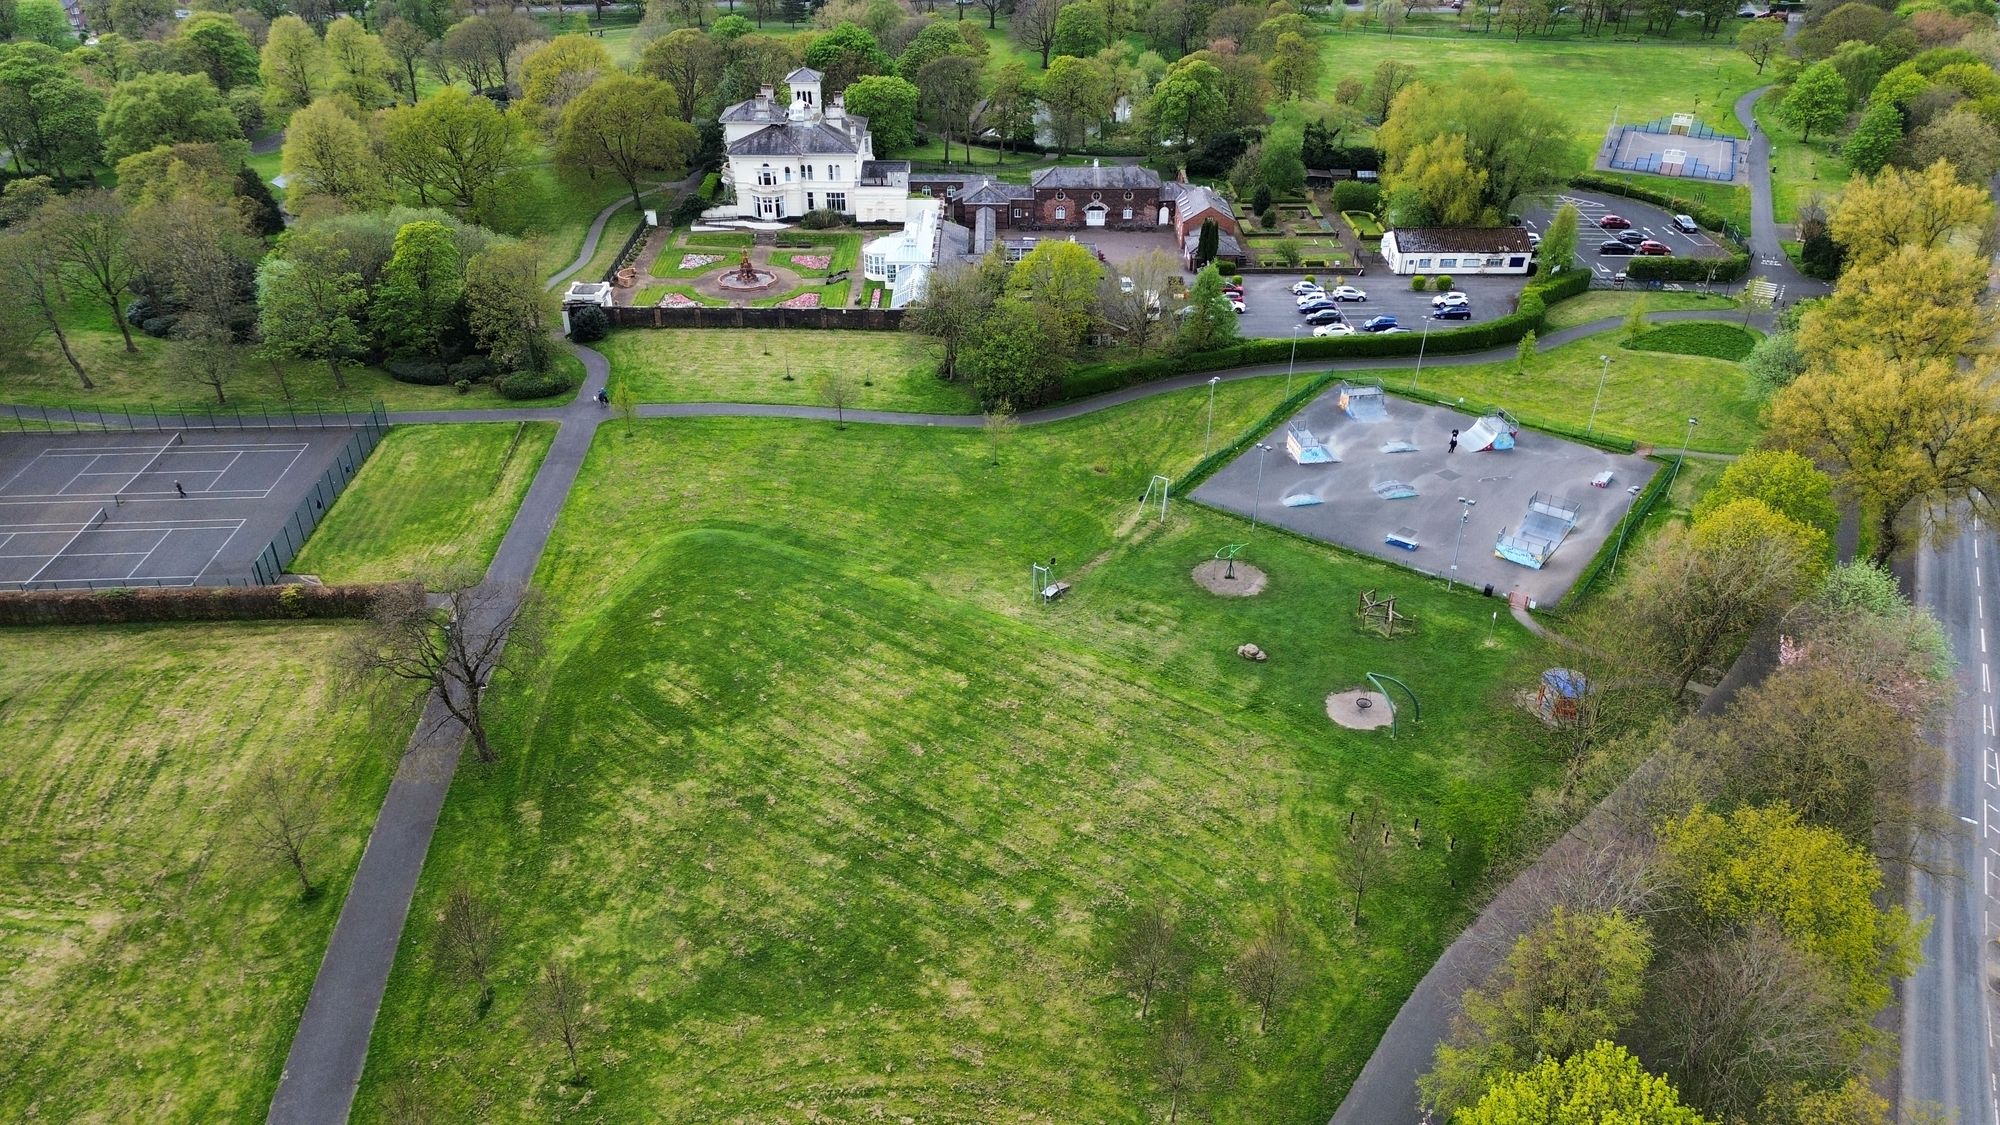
[
  {"x": 1685, "y": 442},
  {"x": 1464, "y": 514},
  {"x": 1588, "y": 426},
  {"x": 1421, "y": 345},
  {"x": 1292, "y": 363},
  {"x": 1257, "y": 496},
  {"x": 1209, "y": 434}
]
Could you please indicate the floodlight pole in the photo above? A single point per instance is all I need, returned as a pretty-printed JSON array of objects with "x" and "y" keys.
[
  {"x": 1291, "y": 363},
  {"x": 1464, "y": 514},
  {"x": 1685, "y": 442},
  {"x": 1588, "y": 426},
  {"x": 1421, "y": 345},
  {"x": 1208, "y": 435},
  {"x": 1257, "y": 496}
]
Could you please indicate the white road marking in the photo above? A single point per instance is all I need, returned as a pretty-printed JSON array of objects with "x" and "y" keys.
[
  {"x": 1985, "y": 678},
  {"x": 1986, "y": 719},
  {"x": 1982, "y": 638}
]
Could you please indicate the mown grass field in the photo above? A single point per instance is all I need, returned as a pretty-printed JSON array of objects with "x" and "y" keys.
[
  {"x": 839, "y": 824},
  {"x": 1648, "y": 396},
  {"x": 751, "y": 365},
  {"x": 1584, "y": 80},
  {"x": 1701, "y": 337},
  {"x": 1602, "y": 304},
  {"x": 432, "y": 502},
  {"x": 1799, "y": 171},
  {"x": 152, "y": 965}
]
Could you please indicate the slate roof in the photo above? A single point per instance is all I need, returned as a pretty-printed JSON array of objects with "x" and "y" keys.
[
  {"x": 1191, "y": 199},
  {"x": 803, "y": 138},
  {"x": 992, "y": 192},
  {"x": 883, "y": 170},
  {"x": 1461, "y": 240},
  {"x": 1226, "y": 245},
  {"x": 1098, "y": 176},
  {"x": 803, "y": 74},
  {"x": 754, "y": 109}
]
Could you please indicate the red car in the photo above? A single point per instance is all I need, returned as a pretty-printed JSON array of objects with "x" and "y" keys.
[
  {"x": 1651, "y": 247},
  {"x": 1614, "y": 222}
]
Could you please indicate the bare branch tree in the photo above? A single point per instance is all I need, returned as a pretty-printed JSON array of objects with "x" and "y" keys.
[
  {"x": 455, "y": 645},
  {"x": 282, "y": 815},
  {"x": 836, "y": 393},
  {"x": 999, "y": 426},
  {"x": 468, "y": 941},
  {"x": 559, "y": 1003},
  {"x": 1361, "y": 856},
  {"x": 1150, "y": 954},
  {"x": 1268, "y": 970},
  {"x": 1184, "y": 1066}
]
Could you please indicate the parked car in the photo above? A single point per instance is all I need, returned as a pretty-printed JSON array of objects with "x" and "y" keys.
[
  {"x": 1452, "y": 298},
  {"x": 1319, "y": 304},
  {"x": 1614, "y": 222},
  {"x": 1379, "y": 323},
  {"x": 1308, "y": 298},
  {"x": 1534, "y": 241},
  {"x": 1346, "y": 293},
  {"x": 1325, "y": 316},
  {"x": 1616, "y": 247},
  {"x": 1301, "y": 288},
  {"x": 1237, "y": 303},
  {"x": 1631, "y": 237},
  {"x": 1655, "y": 248},
  {"x": 1453, "y": 312},
  {"x": 1686, "y": 224},
  {"x": 1334, "y": 329},
  {"x": 1124, "y": 285}
]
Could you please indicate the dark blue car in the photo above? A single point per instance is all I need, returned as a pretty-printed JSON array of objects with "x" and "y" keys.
[
  {"x": 1453, "y": 312},
  {"x": 1379, "y": 324}
]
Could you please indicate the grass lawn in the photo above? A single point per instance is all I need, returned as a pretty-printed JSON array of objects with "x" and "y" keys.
[
  {"x": 1584, "y": 80},
  {"x": 151, "y": 379},
  {"x": 1602, "y": 304},
  {"x": 838, "y": 824},
  {"x": 646, "y": 296},
  {"x": 431, "y": 501},
  {"x": 153, "y": 966},
  {"x": 540, "y": 202},
  {"x": 616, "y": 230},
  {"x": 750, "y": 365},
  {"x": 1648, "y": 396},
  {"x": 1701, "y": 337},
  {"x": 1799, "y": 171}
]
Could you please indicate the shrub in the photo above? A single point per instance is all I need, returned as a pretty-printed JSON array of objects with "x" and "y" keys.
[
  {"x": 1355, "y": 195},
  {"x": 159, "y": 327},
  {"x": 1225, "y": 267},
  {"x": 472, "y": 369},
  {"x": 1260, "y": 201},
  {"x": 711, "y": 187},
  {"x": 418, "y": 372},
  {"x": 687, "y": 212},
  {"x": 1651, "y": 268},
  {"x": 1268, "y": 218},
  {"x": 180, "y": 603},
  {"x": 533, "y": 384},
  {"x": 1288, "y": 251},
  {"x": 1419, "y": 283},
  {"x": 1441, "y": 282},
  {"x": 588, "y": 325},
  {"x": 821, "y": 219}
]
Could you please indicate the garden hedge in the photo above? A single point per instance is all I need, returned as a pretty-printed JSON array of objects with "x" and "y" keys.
[
  {"x": 182, "y": 603},
  {"x": 529, "y": 384}
]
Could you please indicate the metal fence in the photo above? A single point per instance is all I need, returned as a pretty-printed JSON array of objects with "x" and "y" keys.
[
  {"x": 68, "y": 419},
  {"x": 298, "y": 527}
]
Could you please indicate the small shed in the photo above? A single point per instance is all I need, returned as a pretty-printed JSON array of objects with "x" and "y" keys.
[{"x": 1560, "y": 698}]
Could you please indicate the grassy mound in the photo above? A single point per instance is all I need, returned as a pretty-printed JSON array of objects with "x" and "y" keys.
[{"x": 1699, "y": 337}]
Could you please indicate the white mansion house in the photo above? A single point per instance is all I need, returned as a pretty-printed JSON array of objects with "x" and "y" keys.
[{"x": 784, "y": 161}]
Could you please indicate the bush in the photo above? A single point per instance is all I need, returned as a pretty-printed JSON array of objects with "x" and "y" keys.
[
  {"x": 1442, "y": 282},
  {"x": 687, "y": 212},
  {"x": 1650, "y": 268},
  {"x": 181, "y": 603},
  {"x": 159, "y": 327},
  {"x": 1419, "y": 283},
  {"x": 533, "y": 384},
  {"x": 1225, "y": 267},
  {"x": 588, "y": 324},
  {"x": 1268, "y": 218},
  {"x": 1355, "y": 195},
  {"x": 472, "y": 369},
  {"x": 1260, "y": 201},
  {"x": 418, "y": 372},
  {"x": 821, "y": 219},
  {"x": 711, "y": 187}
]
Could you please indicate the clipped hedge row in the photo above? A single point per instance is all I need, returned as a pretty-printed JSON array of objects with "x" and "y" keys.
[
  {"x": 1535, "y": 299},
  {"x": 210, "y": 603},
  {"x": 1649, "y": 268},
  {"x": 426, "y": 373},
  {"x": 530, "y": 384}
]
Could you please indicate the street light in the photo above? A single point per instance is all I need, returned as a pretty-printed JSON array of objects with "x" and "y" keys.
[
  {"x": 1464, "y": 513},
  {"x": 1588, "y": 426},
  {"x": 1209, "y": 434},
  {"x": 1291, "y": 363},
  {"x": 1421, "y": 345},
  {"x": 1257, "y": 496},
  {"x": 1685, "y": 442}
]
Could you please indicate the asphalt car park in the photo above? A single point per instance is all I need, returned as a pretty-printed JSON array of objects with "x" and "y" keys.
[
  {"x": 1652, "y": 222},
  {"x": 1270, "y": 309}
]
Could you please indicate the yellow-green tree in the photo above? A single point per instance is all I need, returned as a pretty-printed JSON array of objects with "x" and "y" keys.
[
  {"x": 1060, "y": 279},
  {"x": 1433, "y": 184},
  {"x": 556, "y": 72},
  {"x": 1789, "y": 484},
  {"x": 290, "y": 65},
  {"x": 1746, "y": 523},
  {"x": 1912, "y": 302},
  {"x": 1895, "y": 208},
  {"x": 1603, "y": 1084},
  {"x": 1906, "y": 437},
  {"x": 327, "y": 160}
]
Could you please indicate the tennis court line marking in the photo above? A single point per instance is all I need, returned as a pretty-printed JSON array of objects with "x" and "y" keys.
[{"x": 231, "y": 538}]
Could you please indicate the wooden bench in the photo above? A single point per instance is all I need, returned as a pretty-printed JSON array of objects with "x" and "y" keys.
[
  {"x": 836, "y": 277},
  {"x": 1054, "y": 590}
]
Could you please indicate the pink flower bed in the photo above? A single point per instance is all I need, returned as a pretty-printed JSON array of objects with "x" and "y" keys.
[
  {"x": 679, "y": 301},
  {"x": 802, "y": 301},
  {"x": 812, "y": 261},
  {"x": 697, "y": 261}
]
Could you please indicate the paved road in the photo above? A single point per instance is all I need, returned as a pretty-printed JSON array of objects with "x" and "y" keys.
[
  {"x": 1767, "y": 255},
  {"x": 1947, "y": 1016}
]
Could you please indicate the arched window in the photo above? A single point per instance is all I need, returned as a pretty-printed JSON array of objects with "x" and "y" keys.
[
  {"x": 766, "y": 177},
  {"x": 1062, "y": 212}
]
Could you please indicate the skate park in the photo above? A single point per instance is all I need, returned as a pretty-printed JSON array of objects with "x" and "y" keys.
[{"x": 1378, "y": 475}]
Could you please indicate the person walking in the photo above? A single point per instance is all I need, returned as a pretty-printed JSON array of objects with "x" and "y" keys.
[
  {"x": 179, "y": 489},
  {"x": 1454, "y": 442}
]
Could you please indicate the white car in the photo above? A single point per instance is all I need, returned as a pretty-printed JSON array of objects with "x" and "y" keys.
[
  {"x": 1333, "y": 330},
  {"x": 1301, "y": 288},
  {"x": 1124, "y": 285},
  {"x": 1534, "y": 241},
  {"x": 1308, "y": 298},
  {"x": 1447, "y": 300},
  {"x": 1346, "y": 293},
  {"x": 1237, "y": 304}
]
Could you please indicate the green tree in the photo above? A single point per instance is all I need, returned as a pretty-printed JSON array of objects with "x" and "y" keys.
[
  {"x": 357, "y": 63},
  {"x": 1077, "y": 93},
  {"x": 1775, "y": 361},
  {"x": 616, "y": 126},
  {"x": 260, "y": 206},
  {"x": 1436, "y": 184},
  {"x": 1524, "y": 353},
  {"x": 90, "y": 235},
  {"x": 48, "y": 117},
  {"x": 307, "y": 301},
  {"x": 1759, "y": 39},
  {"x": 1875, "y": 137},
  {"x": 1210, "y": 322},
  {"x": 290, "y": 65},
  {"x": 1603, "y": 1084},
  {"x": 890, "y": 105},
  {"x": 1059, "y": 278},
  {"x": 1635, "y": 318},
  {"x": 1517, "y": 143},
  {"x": 31, "y": 290},
  {"x": 1018, "y": 358},
  {"x": 1283, "y": 167},
  {"x": 214, "y": 44},
  {"x": 1860, "y": 66},
  {"x": 452, "y": 148},
  {"x": 1964, "y": 139},
  {"x": 407, "y": 45},
  {"x": 157, "y": 109},
  {"x": 1207, "y": 240},
  {"x": 1787, "y": 483},
  {"x": 1817, "y": 102},
  {"x": 419, "y": 293},
  {"x": 934, "y": 42},
  {"x": 1295, "y": 66},
  {"x": 140, "y": 19},
  {"x": 44, "y": 22},
  {"x": 1573, "y": 980},
  {"x": 1080, "y": 29},
  {"x": 955, "y": 306},
  {"x": 1187, "y": 104},
  {"x": 951, "y": 87},
  {"x": 327, "y": 157},
  {"x": 1558, "y": 249},
  {"x": 690, "y": 61},
  {"x": 507, "y": 307},
  {"x": 1010, "y": 104},
  {"x": 844, "y": 54}
]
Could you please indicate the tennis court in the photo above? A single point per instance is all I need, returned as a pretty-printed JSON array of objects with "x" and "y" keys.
[{"x": 150, "y": 508}]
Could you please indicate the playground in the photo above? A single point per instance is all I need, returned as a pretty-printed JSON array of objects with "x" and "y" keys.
[{"x": 1378, "y": 474}]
